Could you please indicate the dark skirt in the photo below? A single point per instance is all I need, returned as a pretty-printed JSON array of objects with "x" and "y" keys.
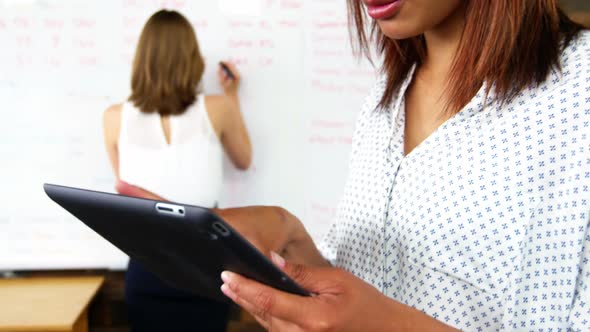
[{"x": 154, "y": 306}]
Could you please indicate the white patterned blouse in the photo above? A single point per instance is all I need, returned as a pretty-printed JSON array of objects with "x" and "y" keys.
[{"x": 485, "y": 224}]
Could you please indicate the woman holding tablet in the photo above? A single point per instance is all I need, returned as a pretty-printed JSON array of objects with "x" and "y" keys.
[
  {"x": 467, "y": 205},
  {"x": 169, "y": 139}
]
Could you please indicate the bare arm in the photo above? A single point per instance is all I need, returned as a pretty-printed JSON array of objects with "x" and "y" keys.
[
  {"x": 126, "y": 189},
  {"x": 111, "y": 128},
  {"x": 234, "y": 134}
]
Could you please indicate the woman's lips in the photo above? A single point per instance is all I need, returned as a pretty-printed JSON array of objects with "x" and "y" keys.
[{"x": 380, "y": 10}]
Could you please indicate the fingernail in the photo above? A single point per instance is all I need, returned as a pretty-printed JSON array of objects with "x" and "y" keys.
[
  {"x": 277, "y": 259},
  {"x": 226, "y": 277},
  {"x": 227, "y": 291}
]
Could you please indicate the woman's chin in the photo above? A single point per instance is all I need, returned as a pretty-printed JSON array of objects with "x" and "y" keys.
[{"x": 396, "y": 30}]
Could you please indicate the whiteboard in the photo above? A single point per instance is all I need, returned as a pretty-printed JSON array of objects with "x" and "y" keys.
[{"x": 64, "y": 62}]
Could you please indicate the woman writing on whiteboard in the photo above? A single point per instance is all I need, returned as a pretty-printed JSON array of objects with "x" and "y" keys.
[
  {"x": 168, "y": 139},
  {"x": 468, "y": 199}
]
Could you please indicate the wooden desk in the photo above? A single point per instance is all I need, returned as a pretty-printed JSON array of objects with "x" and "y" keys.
[{"x": 56, "y": 304}]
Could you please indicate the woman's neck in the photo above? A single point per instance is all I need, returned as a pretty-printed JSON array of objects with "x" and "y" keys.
[{"x": 442, "y": 43}]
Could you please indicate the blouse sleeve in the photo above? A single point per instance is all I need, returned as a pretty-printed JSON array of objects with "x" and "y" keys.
[
  {"x": 579, "y": 317},
  {"x": 580, "y": 312}
]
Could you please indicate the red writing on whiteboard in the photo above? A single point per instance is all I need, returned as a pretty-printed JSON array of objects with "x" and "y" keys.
[
  {"x": 173, "y": 4},
  {"x": 368, "y": 73},
  {"x": 240, "y": 43},
  {"x": 247, "y": 43},
  {"x": 239, "y": 60},
  {"x": 240, "y": 24},
  {"x": 330, "y": 53},
  {"x": 265, "y": 61},
  {"x": 330, "y": 140},
  {"x": 266, "y": 43},
  {"x": 323, "y": 38},
  {"x": 55, "y": 41},
  {"x": 323, "y": 208},
  {"x": 83, "y": 23},
  {"x": 350, "y": 88},
  {"x": 327, "y": 13},
  {"x": 327, "y": 72},
  {"x": 319, "y": 85},
  {"x": 291, "y": 4},
  {"x": 84, "y": 43},
  {"x": 360, "y": 90},
  {"x": 200, "y": 24},
  {"x": 330, "y": 24},
  {"x": 132, "y": 3},
  {"x": 23, "y": 22},
  {"x": 330, "y": 124},
  {"x": 268, "y": 3},
  {"x": 88, "y": 61},
  {"x": 24, "y": 60},
  {"x": 265, "y": 25},
  {"x": 53, "y": 61},
  {"x": 24, "y": 41},
  {"x": 289, "y": 24},
  {"x": 131, "y": 22},
  {"x": 51, "y": 23}
]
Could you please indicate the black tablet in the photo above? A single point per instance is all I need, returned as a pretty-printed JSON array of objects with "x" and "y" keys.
[{"x": 186, "y": 246}]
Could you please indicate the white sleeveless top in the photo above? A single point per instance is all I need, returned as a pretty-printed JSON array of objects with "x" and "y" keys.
[{"x": 188, "y": 170}]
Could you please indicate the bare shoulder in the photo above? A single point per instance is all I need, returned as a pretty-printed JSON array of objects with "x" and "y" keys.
[
  {"x": 217, "y": 107},
  {"x": 113, "y": 113}
]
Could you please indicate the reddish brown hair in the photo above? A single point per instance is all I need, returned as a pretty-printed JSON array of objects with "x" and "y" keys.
[
  {"x": 168, "y": 65},
  {"x": 518, "y": 43}
]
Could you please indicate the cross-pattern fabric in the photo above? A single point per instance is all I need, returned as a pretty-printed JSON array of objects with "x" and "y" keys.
[{"x": 485, "y": 224}]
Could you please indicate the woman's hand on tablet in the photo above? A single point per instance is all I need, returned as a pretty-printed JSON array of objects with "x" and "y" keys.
[
  {"x": 274, "y": 229},
  {"x": 341, "y": 302}
]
